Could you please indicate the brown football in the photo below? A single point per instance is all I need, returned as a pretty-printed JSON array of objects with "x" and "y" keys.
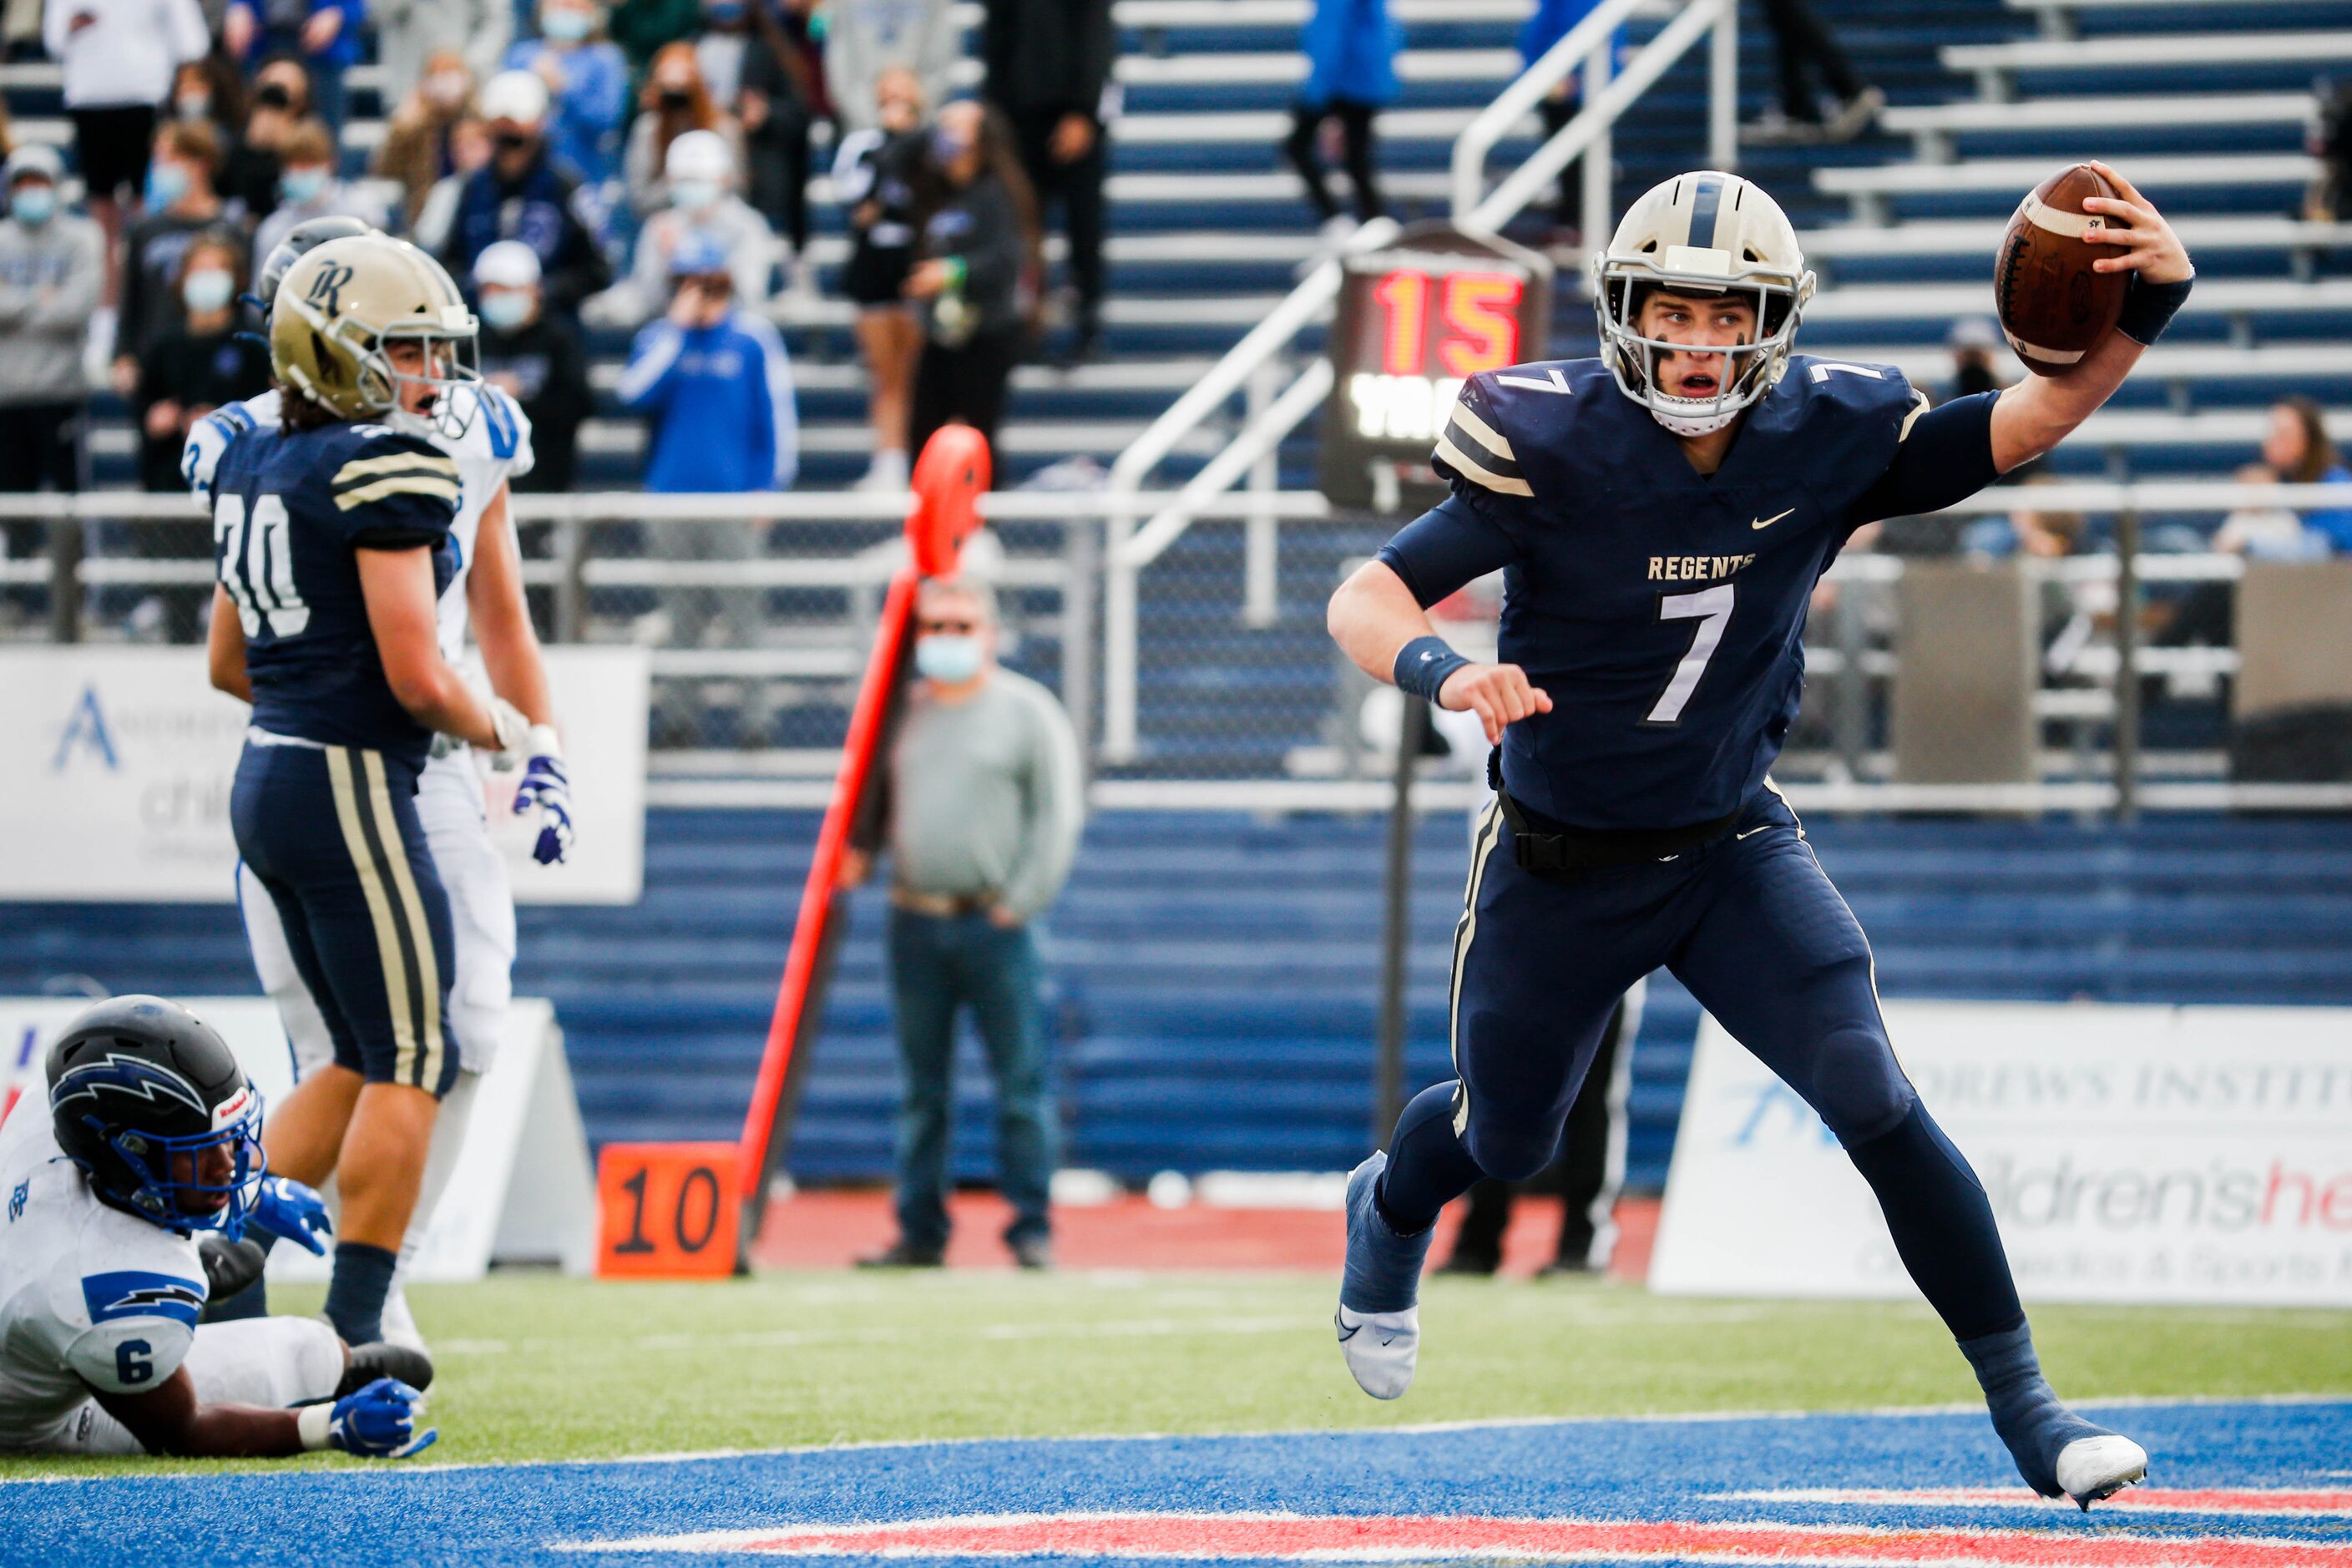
[{"x": 2053, "y": 309}]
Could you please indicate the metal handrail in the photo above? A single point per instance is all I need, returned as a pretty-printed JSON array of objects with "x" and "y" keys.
[{"x": 1589, "y": 43}]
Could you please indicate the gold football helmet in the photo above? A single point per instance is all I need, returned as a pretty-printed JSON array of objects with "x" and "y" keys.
[{"x": 339, "y": 311}]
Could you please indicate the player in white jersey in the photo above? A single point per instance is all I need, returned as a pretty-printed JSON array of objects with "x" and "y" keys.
[
  {"x": 149, "y": 1141},
  {"x": 486, "y": 598}
]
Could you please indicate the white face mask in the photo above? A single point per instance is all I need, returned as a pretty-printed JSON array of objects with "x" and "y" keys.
[
  {"x": 207, "y": 289},
  {"x": 948, "y": 658},
  {"x": 693, "y": 195}
]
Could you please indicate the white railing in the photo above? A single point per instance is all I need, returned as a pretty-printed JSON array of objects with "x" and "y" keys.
[{"x": 1590, "y": 46}]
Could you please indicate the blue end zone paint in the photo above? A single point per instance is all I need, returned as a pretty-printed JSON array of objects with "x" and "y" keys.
[{"x": 1664, "y": 1469}]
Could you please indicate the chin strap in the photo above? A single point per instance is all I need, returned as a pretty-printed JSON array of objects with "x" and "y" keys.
[{"x": 1692, "y": 423}]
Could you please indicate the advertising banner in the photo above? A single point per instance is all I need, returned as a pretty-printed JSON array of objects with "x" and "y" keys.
[
  {"x": 2132, "y": 1154},
  {"x": 118, "y": 787}
]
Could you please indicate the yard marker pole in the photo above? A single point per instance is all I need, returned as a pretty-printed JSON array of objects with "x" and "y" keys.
[{"x": 950, "y": 477}]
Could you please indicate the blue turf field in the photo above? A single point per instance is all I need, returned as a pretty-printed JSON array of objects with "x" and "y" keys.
[{"x": 1652, "y": 1491}]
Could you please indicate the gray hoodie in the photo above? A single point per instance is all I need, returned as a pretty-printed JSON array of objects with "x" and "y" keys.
[
  {"x": 863, "y": 37},
  {"x": 49, "y": 278}
]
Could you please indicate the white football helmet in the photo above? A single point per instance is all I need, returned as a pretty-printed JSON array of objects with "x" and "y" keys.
[{"x": 1703, "y": 233}]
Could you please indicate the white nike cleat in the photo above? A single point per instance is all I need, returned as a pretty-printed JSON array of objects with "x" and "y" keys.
[
  {"x": 2090, "y": 1469},
  {"x": 1380, "y": 1347}
]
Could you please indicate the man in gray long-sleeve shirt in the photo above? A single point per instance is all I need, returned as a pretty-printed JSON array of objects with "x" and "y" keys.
[
  {"x": 52, "y": 263},
  {"x": 984, "y": 808}
]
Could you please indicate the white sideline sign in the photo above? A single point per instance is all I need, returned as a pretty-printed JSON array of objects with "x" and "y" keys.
[
  {"x": 2132, "y": 1154},
  {"x": 522, "y": 1192},
  {"x": 116, "y": 784}
]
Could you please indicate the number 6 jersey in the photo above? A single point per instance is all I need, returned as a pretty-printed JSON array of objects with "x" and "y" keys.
[
  {"x": 90, "y": 1297},
  {"x": 290, "y": 511},
  {"x": 1662, "y": 609}
]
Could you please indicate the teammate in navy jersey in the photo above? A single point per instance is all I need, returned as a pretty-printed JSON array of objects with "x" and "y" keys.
[
  {"x": 1660, "y": 515},
  {"x": 331, "y": 546}
]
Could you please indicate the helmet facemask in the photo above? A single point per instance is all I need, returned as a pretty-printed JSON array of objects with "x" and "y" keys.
[
  {"x": 154, "y": 1189},
  {"x": 1620, "y": 284},
  {"x": 452, "y": 360}
]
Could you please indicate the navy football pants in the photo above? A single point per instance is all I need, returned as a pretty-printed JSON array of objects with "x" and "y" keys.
[
  {"x": 333, "y": 833},
  {"x": 1751, "y": 925}
]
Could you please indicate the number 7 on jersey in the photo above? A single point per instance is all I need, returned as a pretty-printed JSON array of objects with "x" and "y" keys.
[{"x": 1711, "y": 608}]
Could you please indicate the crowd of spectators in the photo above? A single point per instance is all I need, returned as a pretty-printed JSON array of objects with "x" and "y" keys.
[{"x": 641, "y": 165}]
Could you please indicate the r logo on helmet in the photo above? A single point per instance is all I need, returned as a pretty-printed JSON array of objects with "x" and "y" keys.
[{"x": 327, "y": 288}]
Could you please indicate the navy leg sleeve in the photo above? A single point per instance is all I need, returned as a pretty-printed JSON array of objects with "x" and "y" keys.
[
  {"x": 1942, "y": 1225},
  {"x": 1428, "y": 1166},
  {"x": 1781, "y": 961}
]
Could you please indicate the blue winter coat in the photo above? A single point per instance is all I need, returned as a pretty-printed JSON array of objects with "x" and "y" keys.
[{"x": 1351, "y": 47}]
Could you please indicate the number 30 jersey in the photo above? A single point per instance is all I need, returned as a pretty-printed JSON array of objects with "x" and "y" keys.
[
  {"x": 1661, "y": 609},
  {"x": 290, "y": 511}
]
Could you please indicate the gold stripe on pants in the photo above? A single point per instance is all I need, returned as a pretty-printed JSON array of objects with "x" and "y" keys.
[
  {"x": 432, "y": 1044},
  {"x": 1490, "y": 831},
  {"x": 399, "y": 1000}
]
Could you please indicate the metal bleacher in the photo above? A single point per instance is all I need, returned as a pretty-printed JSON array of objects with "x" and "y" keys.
[{"x": 2205, "y": 107}]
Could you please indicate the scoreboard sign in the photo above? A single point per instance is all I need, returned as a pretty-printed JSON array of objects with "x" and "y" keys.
[{"x": 1417, "y": 319}]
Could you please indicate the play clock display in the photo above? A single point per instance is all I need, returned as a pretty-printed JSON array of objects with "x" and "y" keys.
[{"x": 1415, "y": 320}]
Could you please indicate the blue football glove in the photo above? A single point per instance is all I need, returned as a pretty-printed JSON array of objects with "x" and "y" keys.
[
  {"x": 380, "y": 1422},
  {"x": 292, "y": 1212},
  {"x": 545, "y": 785}
]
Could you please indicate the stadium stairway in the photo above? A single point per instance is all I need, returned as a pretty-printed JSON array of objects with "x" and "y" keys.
[{"x": 1213, "y": 976}]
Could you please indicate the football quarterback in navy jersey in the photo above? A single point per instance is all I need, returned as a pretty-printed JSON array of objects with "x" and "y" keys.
[
  {"x": 1660, "y": 515},
  {"x": 332, "y": 545}
]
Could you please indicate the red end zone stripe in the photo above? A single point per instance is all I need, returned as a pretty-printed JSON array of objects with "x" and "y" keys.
[
  {"x": 1349, "y": 1539},
  {"x": 2245, "y": 1500}
]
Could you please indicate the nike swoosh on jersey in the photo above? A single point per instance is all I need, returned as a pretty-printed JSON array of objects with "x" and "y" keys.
[
  {"x": 1750, "y": 834},
  {"x": 1769, "y": 521}
]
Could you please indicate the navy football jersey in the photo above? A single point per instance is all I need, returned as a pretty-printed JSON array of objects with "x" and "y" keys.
[
  {"x": 289, "y": 509},
  {"x": 1663, "y": 610}
]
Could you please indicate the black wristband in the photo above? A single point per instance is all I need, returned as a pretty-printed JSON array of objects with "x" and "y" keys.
[
  {"x": 1422, "y": 666},
  {"x": 2148, "y": 307}
]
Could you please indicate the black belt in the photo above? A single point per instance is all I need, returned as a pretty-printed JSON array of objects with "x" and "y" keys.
[{"x": 1563, "y": 849}]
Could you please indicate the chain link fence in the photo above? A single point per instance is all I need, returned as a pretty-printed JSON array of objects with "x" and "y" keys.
[{"x": 2053, "y": 647}]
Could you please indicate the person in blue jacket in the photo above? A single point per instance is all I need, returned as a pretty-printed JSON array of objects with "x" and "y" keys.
[
  {"x": 324, "y": 34},
  {"x": 714, "y": 380},
  {"x": 588, "y": 78},
  {"x": 1351, "y": 47}
]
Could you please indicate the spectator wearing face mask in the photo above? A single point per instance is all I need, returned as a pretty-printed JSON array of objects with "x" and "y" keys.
[
  {"x": 756, "y": 60},
  {"x": 181, "y": 204},
  {"x": 419, "y": 149},
  {"x": 411, "y": 35},
  {"x": 715, "y": 384},
  {"x": 198, "y": 364},
  {"x": 588, "y": 86},
  {"x": 52, "y": 268},
  {"x": 118, "y": 57},
  {"x": 676, "y": 100},
  {"x": 322, "y": 35},
  {"x": 211, "y": 89},
  {"x": 698, "y": 174},
  {"x": 520, "y": 194},
  {"x": 534, "y": 358},
  {"x": 874, "y": 176},
  {"x": 307, "y": 188},
  {"x": 250, "y": 165}
]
